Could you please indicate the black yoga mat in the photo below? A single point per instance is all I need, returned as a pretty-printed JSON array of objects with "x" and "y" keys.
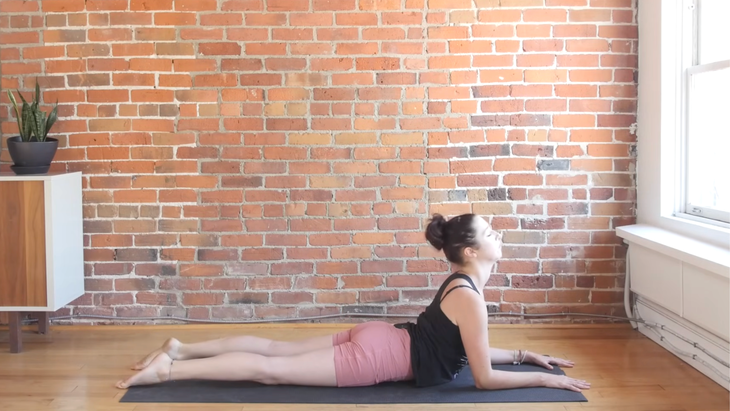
[{"x": 461, "y": 390}]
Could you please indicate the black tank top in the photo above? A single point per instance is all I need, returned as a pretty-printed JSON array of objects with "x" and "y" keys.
[{"x": 437, "y": 352}]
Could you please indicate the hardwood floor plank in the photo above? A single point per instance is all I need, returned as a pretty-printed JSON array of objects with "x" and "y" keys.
[
  {"x": 188, "y": 407},
  {"x": 29, "y": 388},
  {"x": 418, "y": 407},
  {"x": 83, "y": 404},
  {"x": 625, "y": 407},
  {"x": 26, "y": 404}
]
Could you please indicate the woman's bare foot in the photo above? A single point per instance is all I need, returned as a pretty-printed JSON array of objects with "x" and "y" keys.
[
  {"x": 171, "y": 347},
  {"x": 156, "y": 372}
]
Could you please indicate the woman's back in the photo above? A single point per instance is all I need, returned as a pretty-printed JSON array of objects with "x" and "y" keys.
[{"x": 437, "y": 352}]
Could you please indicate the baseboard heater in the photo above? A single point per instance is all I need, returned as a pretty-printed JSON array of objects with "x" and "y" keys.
[
  {"x": 682, "y": 289},
  {"x": 700, "y": 356}
]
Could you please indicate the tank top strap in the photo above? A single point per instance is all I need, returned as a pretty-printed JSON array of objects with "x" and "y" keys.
[{"x": 450, "y": 279}]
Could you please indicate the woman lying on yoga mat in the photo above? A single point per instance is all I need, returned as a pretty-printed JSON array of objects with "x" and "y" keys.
[{"x": 432, "y": 351}]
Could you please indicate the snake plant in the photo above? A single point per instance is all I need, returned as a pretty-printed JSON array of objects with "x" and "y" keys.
[{"x": 32, "y": 122}]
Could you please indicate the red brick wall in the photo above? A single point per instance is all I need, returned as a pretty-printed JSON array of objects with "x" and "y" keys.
[{"x": 279, "y": 158}]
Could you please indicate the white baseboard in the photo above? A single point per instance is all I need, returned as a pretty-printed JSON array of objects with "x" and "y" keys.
[{"x": 648, "y": 311}]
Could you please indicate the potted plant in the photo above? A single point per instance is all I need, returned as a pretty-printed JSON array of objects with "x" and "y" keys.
[{"x": 32, "y": 151}]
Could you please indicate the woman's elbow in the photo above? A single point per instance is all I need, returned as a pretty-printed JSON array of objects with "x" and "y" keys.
[
  {"x": 484, "y": 382},
  {"x": 482, "y": 385}
]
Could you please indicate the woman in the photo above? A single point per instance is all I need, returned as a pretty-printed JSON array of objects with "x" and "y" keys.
[{"x": 432, "y": 351}]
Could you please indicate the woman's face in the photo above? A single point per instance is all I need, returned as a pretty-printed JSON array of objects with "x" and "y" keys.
[{"x": 488, "y": 240}]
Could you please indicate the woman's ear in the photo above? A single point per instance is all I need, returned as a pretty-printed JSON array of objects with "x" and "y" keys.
[{"x": 470, "y": 252}]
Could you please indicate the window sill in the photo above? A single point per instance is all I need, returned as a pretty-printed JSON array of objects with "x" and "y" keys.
[
  {"x": 690, "y": 228},
  {"x": 701, "y": 254},
  {"x": 719, "y": 226}
]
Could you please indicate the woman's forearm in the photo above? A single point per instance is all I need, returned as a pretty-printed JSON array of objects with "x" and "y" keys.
[
  {"x": 500, "y": 380},
  {"x": 500, "y": 356}
]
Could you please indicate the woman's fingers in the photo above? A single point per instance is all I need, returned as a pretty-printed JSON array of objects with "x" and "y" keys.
[
  {"x": 561, "y": 362},
  {"x": 567, "y": 383},
  {"x": 581, "y": 384},
  {"x": 576, "y": 385}
]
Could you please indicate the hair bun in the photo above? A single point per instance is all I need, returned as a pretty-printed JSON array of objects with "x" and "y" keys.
[{"x": 436, "y": 231}]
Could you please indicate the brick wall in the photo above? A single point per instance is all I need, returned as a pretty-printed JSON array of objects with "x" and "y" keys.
[{"x": 279, "y": 158}]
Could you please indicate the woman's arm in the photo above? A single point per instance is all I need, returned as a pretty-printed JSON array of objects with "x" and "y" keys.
[
  {"x": 500, "y": 356},
  {"x": 472, "y": 322}
]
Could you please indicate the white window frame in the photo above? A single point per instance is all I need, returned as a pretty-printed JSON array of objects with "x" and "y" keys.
[
  {"x": 691, "y": 67},
  {"x": 663, "y": 57}
]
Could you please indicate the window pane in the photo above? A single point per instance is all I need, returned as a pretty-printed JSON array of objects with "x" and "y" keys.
[
  {"x": 708, "y": 143},
  {"x": 714, "y": 30}
]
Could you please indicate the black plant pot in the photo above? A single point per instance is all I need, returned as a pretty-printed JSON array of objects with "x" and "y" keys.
[{"x": 32, "y": 157}]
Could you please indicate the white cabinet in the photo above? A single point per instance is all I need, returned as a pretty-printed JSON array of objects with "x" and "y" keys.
[{"x": 41, "y": 245}]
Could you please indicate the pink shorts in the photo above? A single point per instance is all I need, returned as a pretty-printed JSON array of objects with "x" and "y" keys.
[{"x": 371, "y": 353}]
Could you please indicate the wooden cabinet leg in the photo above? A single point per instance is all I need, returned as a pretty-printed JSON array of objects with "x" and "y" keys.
[
  {"x": 44, "y": 322},
  {"x": 16, "y": 337}
]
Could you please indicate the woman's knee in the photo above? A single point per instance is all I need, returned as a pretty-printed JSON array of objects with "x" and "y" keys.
[
  {"x": 275, "y": 348},
  {"x": 272, "y": 371}
]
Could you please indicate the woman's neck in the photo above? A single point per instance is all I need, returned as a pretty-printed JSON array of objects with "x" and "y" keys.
[{"x": 479, "y": 273}]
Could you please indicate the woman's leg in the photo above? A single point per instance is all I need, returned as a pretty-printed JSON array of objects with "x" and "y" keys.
[
  {"x": 245, "y": 343},
  {"x": 315, "y": 368}
]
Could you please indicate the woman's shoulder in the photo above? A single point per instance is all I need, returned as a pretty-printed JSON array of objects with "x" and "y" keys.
[{"x": 460, "y": 280}]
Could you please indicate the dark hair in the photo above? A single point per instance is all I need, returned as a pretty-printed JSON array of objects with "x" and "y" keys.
[{"x": 452, "y": 236}]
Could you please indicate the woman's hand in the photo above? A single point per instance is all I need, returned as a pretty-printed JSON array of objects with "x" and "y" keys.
[
  {"x": 566, "y": 383},
  {"x": 545, "y": 361}
]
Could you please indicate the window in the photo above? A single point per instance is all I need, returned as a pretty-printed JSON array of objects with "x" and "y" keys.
[{"x": 706, "y": 147}]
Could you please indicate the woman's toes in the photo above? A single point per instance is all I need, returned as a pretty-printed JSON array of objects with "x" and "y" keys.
[
  {"x": 156, "y": 372},
  {"x": 147, "y": 360},
  {"x": 171, "y": 347}
]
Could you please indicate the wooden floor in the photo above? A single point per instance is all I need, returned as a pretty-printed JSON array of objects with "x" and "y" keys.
[{"x": 74, "y": 368}]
